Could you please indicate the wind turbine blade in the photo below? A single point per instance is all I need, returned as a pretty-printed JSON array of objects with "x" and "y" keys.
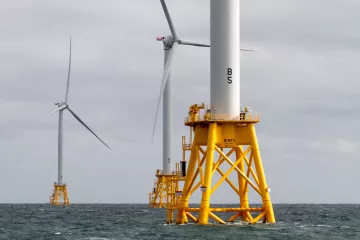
[
  {"x": 81, "y": 121},
  {"x": 68, "y": 78},
  {"x": 247, "y": 50},
  {"x": 168, "y": 18},
  {"x": 194, "y": 44},
  {"x": 56, "y": 110},
  {"x": 167, "y": 70},
  {"x": 207, "y": 45}
]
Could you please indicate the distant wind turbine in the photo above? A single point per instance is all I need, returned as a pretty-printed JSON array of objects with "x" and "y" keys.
[{"x": 60, "y": 191}]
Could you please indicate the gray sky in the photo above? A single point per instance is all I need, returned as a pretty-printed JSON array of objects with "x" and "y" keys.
[{"x": 302, "y": 80}]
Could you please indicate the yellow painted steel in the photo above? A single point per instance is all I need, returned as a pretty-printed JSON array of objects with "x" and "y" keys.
[
  {"x": 235, "y": 216},
  {"x": 244, "y": 201},
  {"x": 216, "y": 218},
  {"x": 261, "y": 175},
  {"x": 60, "y": 196},
  {"x": 184, "y": 202},
  {"x": 165, "y": 190},
  {"x": 205, "y": 198},
  {"x": 227, "y": 209},
  {"x": 227, "y": 139},
  {"x": 191, "y": 217}
]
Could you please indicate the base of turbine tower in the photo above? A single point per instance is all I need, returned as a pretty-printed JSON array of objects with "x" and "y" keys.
[
  {"x": 166, "y": 192},
  {"x": 60, "y": 196},
  {"x": 221, "y": 151},
  {"x": 230, "y": 150}
]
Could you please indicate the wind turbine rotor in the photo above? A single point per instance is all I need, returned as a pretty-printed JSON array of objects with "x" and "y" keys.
[
  {"x": 64, "y": 105},
  {"x": 60, "y": 108},
  {"x": 171, "y": 44}
]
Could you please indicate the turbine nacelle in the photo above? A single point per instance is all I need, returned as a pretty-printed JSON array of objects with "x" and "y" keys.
[
  {"x": 168, "y": 41},
  {"x": 61, "y": 106}
]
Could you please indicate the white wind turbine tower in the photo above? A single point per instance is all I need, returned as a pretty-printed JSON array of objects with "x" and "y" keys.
[
  {"x": 60, "y": 191},
  {"x": 171, "y": 44}
]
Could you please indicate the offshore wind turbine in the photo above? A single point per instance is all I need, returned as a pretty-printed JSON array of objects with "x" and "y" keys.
[
  {"x": 225, "y": 142},
  {"x": 60, "y": 194},
  {"x": 171, "y": 44}
]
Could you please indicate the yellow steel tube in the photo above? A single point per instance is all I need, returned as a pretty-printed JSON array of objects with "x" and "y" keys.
[
  {"x": 221, "y": 159},
  {"x": 258, "y": 217},
  {"x": 191, "y": 167},
  {"x": 200, "y": 166},
  {"x": 249, "y": 216},
  {"x": 157, "y": 191},
  {"x": 261, "y": 175},
  {"x": 244, "y": 201},
  {"x": 248, "y": 172},
  {"x": 236, "y": 209},
  {"x": 173, "y": 197},
  {"x": 202, "y": 151},
  {"x": 233, "y": 166},
  {"x": 250, "y": 168},
  {"x": 191, "y": 217},
  {"x": 184, "y": 202},
  {"x": 161, "y": 191},
  {"x": 234, "y": 217},
  {"x": 195, "y": 176},
  {"x": 238, "y": 170},
  {"x": 227, "y": 209},
  {"x": 228, "y": 181},
  {"x": 205, "y": 198},
  {"x": 196, "y": 187},
  {"x": 216, "y": 218},
  {"x": 169, "y": 216},
  {"x": 223, "y": 176}
]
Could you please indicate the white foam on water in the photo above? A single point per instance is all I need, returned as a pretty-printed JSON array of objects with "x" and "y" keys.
[
  {"x": 327, "y": 226},
  {"x": 238, "y": 223},
  {"x": 99, "y": 238},
  {"x": 174, "y": 224},
  {"x": 320, "y": 225}
]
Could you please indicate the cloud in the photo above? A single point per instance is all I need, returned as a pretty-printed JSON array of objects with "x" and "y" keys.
[
  {"x": 339, "y": 146},
  {"x": 302, "y": 80}
]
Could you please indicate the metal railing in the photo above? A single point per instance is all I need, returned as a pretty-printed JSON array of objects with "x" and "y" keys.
[{"x": 243, "y": 117}]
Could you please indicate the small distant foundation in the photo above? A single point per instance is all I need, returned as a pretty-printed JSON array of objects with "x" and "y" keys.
[{"x": 60, "y": 196}]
